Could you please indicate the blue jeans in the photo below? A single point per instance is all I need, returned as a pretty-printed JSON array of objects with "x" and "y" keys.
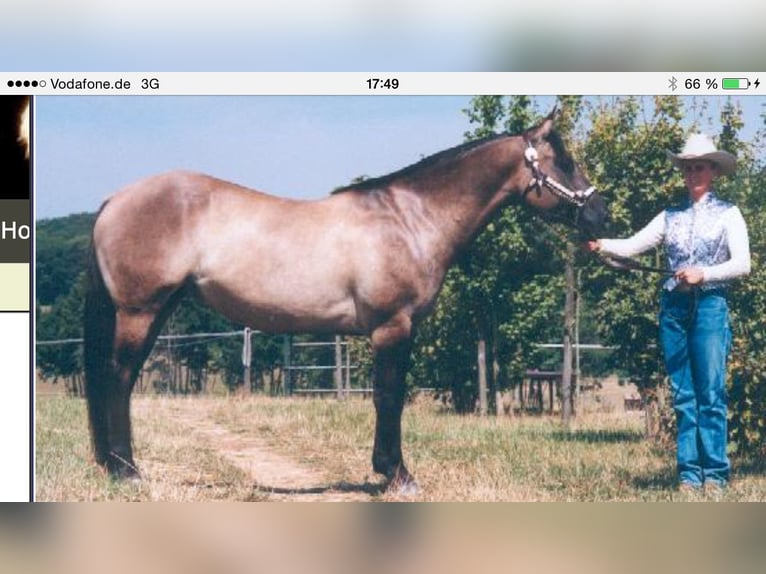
[{"x": 695, "y": 338}]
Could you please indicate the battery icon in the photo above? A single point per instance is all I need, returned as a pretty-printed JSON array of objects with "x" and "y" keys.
[{"x": 735, "y": 83}]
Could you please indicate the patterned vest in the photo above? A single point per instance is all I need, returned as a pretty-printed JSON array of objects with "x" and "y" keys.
[{"x": 695, "y": 237}]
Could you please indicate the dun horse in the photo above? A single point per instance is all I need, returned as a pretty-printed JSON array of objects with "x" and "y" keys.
[{"x": 367, "y": 260}]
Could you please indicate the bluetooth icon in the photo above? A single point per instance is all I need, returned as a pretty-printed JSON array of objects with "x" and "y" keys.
[{"x": 672, "y": 83}]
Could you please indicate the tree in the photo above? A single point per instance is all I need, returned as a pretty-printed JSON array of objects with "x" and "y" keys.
[
  {"x": 501, "y": 293},
  {"x": 626, "y": 160},
  {"x": 62, "y": 322},
  {"x": 61, "y": 246},
  {"x": 747, "y": 391}
]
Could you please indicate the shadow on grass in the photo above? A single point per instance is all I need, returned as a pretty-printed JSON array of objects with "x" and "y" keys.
[
  {"x": 749, "y": 465},
  {"x": 665, "y": 479},
  {"x": 597, "y": 436},
  {"x": 368, "y": 488}
]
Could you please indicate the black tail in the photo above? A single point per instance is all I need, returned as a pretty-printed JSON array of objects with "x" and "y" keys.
[{"x": 98, "y": 330}]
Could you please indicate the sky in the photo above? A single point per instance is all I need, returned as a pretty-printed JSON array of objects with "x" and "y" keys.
[
  {"x": 87, "y": 147},
  {"x": 298, "y": 146}
]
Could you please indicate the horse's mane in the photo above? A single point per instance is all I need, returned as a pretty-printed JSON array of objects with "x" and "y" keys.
[
  {"x": 563, "y": 159},
  {"x": 444, "y": 156}
]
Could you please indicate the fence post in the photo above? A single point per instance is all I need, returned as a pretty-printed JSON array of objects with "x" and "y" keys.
[
  {"x": 246, "y": 359},
  {"x": 569, "y": 324},
  {"x": 287, "y": 347},
  {"x": 348, "y": 366},
  {"x": 338, "y": 373},
  {"x": 482, "y": 359}
]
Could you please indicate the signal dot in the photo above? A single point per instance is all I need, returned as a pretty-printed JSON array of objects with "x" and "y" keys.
[
  {"x": 10, "y": 83},
  {"x": 34, "y": 83},
  {"x": 18, "y": 83},
  {"x": 26, "y": 83}
]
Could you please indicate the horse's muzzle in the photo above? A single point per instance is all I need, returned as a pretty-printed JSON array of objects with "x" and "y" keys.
[{"x": 592, "y": 217}]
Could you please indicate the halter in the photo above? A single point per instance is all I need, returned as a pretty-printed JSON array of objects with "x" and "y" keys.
[{"x": 577, "y": 197}]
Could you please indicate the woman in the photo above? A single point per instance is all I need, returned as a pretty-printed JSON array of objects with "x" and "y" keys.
[{"x": 707, "y": 246}]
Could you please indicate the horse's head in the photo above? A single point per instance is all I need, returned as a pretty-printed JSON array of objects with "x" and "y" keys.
[{"x": 557, "y": 183}]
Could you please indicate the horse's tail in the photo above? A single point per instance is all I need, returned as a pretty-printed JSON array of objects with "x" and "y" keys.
[{"x": 98, "y": 331}]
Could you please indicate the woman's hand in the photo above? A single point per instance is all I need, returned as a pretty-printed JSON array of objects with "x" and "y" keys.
[
  {"x": 690, "y": 276},
  {"x": 592, "y": 245}
]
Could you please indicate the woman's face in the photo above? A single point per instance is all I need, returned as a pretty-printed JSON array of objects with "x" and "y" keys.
[{"x": 698, "y": 175}]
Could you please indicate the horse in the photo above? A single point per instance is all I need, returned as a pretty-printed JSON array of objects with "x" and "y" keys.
[{"x": 368, "y": 259}]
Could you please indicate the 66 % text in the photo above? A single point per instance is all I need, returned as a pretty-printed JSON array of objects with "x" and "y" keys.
[{"x": 696, "y": 84}]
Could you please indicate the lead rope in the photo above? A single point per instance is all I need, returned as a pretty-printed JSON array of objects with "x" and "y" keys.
[
  {"x": 612, "y": 261},
  {"x": 627, "y": 264}
]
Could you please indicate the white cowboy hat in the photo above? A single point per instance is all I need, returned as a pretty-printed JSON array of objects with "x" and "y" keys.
[{"x": 701, "y": 147}]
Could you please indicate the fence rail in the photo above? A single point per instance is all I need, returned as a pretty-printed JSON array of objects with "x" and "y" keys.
[{"x": 285, "y": 375}]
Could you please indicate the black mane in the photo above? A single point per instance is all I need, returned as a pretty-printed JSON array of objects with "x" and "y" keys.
[
  {"x": 563, "y": 158},
  {"x": 432, "y": 160}
]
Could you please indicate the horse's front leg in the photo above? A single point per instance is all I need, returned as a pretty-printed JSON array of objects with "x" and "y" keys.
[{"x": 392, "y": 346}]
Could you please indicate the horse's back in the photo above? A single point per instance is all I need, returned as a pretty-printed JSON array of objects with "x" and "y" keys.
[
  {"x": 334, "y": 264},
  {"x": 166, "y": 230}
]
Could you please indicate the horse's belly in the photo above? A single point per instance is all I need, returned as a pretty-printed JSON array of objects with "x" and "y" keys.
[{"x": 282, "y": 307}]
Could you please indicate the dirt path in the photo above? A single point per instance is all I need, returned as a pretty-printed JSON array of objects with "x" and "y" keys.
[{"x": 274, "y": 475}]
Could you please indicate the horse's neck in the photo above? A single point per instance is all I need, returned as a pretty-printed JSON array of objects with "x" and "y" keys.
[
  {"x": 448, "y": 212},
  {"x": 446, "y": 216}
]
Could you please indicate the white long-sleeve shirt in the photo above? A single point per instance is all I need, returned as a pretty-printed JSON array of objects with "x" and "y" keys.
[{"x": 710, "y": 234}]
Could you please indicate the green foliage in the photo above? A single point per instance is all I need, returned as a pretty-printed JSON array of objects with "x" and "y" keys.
[
  {"x": 61, "y": 321},
  {"x": 747, "y": 388},
  {"x": 62, "y": 247},
  {"x": 504, "y": 289},
  {"x": 626, "y": 160}
]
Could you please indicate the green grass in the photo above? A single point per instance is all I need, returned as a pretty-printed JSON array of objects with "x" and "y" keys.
[
  {"x": 604, "y": 457},
  {"x": 173, "y": 466}
]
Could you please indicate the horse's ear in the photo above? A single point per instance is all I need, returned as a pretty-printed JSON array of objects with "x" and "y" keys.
[{"x": 542, "y": 130}]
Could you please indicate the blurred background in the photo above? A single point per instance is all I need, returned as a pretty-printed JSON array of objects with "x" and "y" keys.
[
  {"x": 449, "y": 539},
  {"x": 348, "y": 35}
]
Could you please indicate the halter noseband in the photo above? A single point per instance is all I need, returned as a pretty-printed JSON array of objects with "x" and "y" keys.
[{"x": 577, "y": 197}]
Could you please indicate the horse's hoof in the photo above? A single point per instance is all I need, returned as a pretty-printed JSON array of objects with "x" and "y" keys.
[
  {"x": 132, "y": 478},
  {"x": 123, "y": 471},
  {"x": 404, "y": 487},
  {"x": 409, "y": 489}
]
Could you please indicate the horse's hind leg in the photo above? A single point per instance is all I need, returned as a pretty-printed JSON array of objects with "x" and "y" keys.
[
  {"x": 392, "y": 346},
  {"x": 133, "y": 339}
]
